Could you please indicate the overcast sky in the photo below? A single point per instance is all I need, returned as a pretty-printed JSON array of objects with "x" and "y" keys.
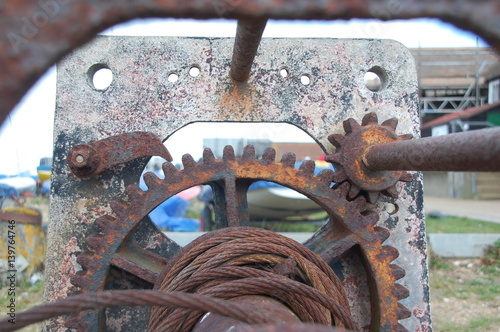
[{"x": 26, "y": 135}]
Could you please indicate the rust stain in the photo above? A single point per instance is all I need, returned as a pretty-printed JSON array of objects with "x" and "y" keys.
[{"x": 241, "y": 100}]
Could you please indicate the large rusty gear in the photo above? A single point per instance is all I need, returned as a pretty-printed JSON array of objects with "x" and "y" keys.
[
  {"x": 348, "y": 230},
  {"x": 348, "y": 158}
]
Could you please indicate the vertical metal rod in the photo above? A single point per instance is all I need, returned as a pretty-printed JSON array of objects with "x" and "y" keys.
[
  {"x": 248, "y": 35},
  {"x": 477, "y": 150}
]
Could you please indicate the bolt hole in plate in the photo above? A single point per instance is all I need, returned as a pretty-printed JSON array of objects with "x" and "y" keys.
[
  {"x": 375, "y": 79},
  {"x": 173, "y": 77},
  {"x": 391, "y": 208},
  {"x": 100, "y": 76},
  {"x": 194, "y": 71},
  {"x": 141, "y": 103},
  {"x": 284, "y": 72},
  {"x": 305, "y": 79}
]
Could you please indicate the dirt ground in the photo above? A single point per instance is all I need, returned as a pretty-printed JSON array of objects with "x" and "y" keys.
[{"x": 465, "y": 296}]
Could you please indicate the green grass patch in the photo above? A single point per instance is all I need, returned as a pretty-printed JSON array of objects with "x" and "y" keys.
[
  {"x": 478, "y": 324},
  {"x": 460, "y": 225},
  {"x": 438, "y": 263},
  {"x": 484, "y": 289}
]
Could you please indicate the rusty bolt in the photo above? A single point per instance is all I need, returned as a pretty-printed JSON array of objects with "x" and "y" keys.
[{"x": 83, "y": 160}]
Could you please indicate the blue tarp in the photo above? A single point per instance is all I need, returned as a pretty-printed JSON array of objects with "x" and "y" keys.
[{"x": 170, "y": 214}]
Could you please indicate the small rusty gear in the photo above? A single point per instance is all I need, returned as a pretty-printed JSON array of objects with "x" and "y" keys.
[
  {"x": 348, "y": 228},
  {"x": 348, "y": 158}
]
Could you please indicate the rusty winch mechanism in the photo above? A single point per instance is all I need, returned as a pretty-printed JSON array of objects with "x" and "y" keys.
[
  {"x": 365, "y": 269},
  {"x": 116, "y": 247}
]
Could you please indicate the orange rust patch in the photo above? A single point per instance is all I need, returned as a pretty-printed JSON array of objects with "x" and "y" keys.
[
  {"x": 242, "y": 99},
  {"x": 375, "y": 135}
]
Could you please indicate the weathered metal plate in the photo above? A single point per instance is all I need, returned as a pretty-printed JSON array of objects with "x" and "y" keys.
[{"x": 141, "y": 98}]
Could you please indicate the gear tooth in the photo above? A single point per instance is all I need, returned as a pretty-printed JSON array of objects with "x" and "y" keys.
[
  {"x": 188, "y": 161},
  {"x": 370, "y": 118},
  {"x": 106, "y": 222},
  {"x": 169, "y": 169},
  {"x": 406, "y": 177},
  {"x": 354, "y": 191},
  {"x": 382, "y": 233},
  {"x": 86, "y": 261},
  {"x": 151, "y": 180},
  {"x": 397, "y": 271},
  {"x": 228, "y": 153},
  {"x": 350, "y": 125},
  {"x": 208, "y": 156},
  {"x": 391, "y": 192},
  {"x": 119, "y": 207},
  {"x": 403, "y": 312},
  {"x": 400, "y": 328},
  {"x": 325, "y": 176},
  {"x": 288, "y": 159},
  {"x": 307, "y": 167},
  {"x": 391, "y": 123},
  {"x": 336, "y": 139},
  {"x": 339, "y": 175},
  {"x": 344, "y": 188},
  {"x": 405, "y": 137},
  {"x": 133, "y": 191},
  {"x": 248, "y": 152},
  {"x": 95, "y": 241},
  {"x": 400, "y": 292},
  {"x": 373, "y": 196},
  {"x": 389, "y": 253},
  {"x": 359, "y": 203},
  {"x": 269, "y": 156},
  {"x": 335, "y": 158},
  {"x": 370, "y": 217}
]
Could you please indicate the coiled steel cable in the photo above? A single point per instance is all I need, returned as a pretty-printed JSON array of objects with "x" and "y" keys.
[
  {"x": 238, "y": 261},
  {"x": 218, "y": 266}
]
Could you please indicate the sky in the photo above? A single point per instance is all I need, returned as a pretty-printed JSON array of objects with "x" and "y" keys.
[{"x": 26, "y": 135}]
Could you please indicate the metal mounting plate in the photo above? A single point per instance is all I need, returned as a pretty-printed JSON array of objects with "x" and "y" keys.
[{"x": 141, "y": 98}]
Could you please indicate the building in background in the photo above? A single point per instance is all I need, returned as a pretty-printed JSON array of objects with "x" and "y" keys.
[{"x": 459, "y": 91}]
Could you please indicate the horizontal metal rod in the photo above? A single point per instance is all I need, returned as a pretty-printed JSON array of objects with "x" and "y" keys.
[
  {"x": 248, "y": 35},
  {"x": 477, "y": 150}
]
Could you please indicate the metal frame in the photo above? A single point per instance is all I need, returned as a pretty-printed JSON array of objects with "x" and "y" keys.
[{"x": 337, "y": 91}]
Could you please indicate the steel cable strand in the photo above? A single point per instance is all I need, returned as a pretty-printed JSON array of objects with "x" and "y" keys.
[
  {"x": 106, "y": 299},
  {"x": 305, "y": 308},
  {"x": 219, "y": 275},
  {"x": 206, "y": 283},
  {"x": 179, "y": 271},
  {"x": 190, "y": 253},
  {"x": 260, "y": 286},
  {"x": 248, "y": 249},
  {"x": 223, "y": 252},
  {"x": 234, "y": 249}
]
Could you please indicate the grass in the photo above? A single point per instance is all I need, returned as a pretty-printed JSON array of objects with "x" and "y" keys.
[
  {"x": 484, "y": 289},
  {"x": 460, "y": 225},
  {"x": 478, "y": 324}
]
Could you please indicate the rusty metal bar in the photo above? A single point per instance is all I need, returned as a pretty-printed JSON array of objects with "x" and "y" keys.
[
  {"x": 477, "y": 150},
  {"x": 248, "y": 35},
  {"x": 87, "y": 160},
  {"x": 36, "y": 35}
]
